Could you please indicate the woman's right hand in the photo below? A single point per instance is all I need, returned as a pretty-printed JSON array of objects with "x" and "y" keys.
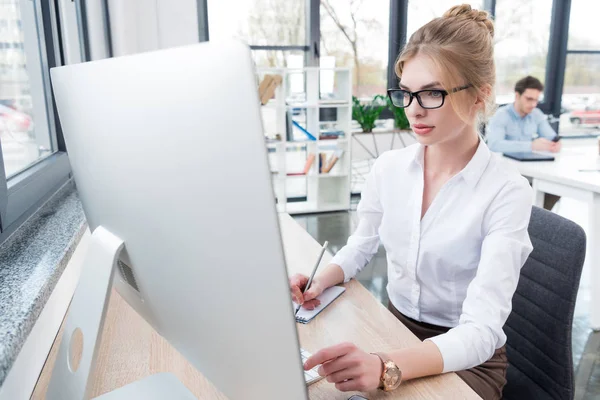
[{"x": 308, "y": 300}]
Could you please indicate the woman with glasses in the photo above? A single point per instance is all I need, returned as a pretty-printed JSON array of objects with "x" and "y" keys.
[{"x": 451, "y": 215}]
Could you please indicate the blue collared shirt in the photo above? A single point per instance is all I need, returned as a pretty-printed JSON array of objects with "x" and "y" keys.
[{"x": 508, "y": 132}]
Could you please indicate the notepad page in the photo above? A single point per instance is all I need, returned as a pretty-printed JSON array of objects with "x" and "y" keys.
[{"x": 327, "y": 297}]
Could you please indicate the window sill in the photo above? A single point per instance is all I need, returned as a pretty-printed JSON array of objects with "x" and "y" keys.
[{"x": 31, "y": 262}]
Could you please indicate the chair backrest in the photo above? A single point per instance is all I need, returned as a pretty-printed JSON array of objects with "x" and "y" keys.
[{"x": 539, "y": 327}]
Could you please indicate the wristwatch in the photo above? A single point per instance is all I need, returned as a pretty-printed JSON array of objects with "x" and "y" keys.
[{"x": 391, "y": 376}]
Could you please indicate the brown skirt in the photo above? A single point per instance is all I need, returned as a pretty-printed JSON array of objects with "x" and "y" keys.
[{"x": 487, "y": 379}]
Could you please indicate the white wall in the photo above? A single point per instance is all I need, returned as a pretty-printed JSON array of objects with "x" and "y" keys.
[
  {"x": 178, "y": 22},
  {"x": 144, "y": 25}
]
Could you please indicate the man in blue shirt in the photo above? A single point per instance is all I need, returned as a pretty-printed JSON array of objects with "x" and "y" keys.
[{"x": 522, "y": 127}]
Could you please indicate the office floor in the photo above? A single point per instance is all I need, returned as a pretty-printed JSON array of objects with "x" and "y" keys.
[{"x": 335, "y": 227}]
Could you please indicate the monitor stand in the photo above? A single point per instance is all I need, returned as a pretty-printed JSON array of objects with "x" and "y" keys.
[{"x": 73, "y": 368}]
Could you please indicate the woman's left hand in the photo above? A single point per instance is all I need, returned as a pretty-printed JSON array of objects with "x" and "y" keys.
[{"x": 349, "y": 367}]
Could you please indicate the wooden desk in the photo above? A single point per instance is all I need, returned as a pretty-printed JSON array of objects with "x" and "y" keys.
[{"x": 130, "y": 349}]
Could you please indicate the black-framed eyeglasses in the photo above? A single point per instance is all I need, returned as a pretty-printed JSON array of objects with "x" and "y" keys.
[{"x": 429, "y": 98}]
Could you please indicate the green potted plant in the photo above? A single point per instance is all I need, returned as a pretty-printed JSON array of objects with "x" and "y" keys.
[
  {"x": 367, "y": 114},
  {"x": 400, "y": 121}
]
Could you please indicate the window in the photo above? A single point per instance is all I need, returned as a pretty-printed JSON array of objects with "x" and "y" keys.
[
  {"x": 582, "y": 83},
  {"x": 583, "y": 25},
  {"x": 259, "y": 22},
  {"x": 275, "y": 29},
  {"x": 24, "y": 121},
  {"x": 355, "y": 34},
  {"x": 421, "y": 12},
  {"x": 35, "y": 164},
  {"x": 278, "y": 58},
  {"x": 580, "y": 100},
  {"x": 521, "y": 43}
]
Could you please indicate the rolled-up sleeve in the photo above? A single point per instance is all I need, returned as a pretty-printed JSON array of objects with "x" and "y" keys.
[
  {"x": 488, "y": 303},
  {"x": 543, "y": 126},
  {"x": 364, "y": 242}
]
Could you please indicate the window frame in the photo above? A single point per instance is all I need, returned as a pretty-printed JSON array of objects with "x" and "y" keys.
[
  {"x": 311, "y": 46},
  {"x": 23, "y": 193},
  {"x": 563, "y": 22},
  {"x": 555, "y": 61}
]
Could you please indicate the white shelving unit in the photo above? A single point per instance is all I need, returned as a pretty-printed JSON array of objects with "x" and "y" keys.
[{"x": 320, "y": 101}]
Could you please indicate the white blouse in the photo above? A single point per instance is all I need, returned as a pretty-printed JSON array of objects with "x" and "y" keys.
[{"x": 457, "y": 267}]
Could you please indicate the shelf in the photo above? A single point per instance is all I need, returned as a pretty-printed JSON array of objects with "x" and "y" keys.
[
  {"x": 289, "y": 106},
  {"x": 334, "y": 105},
  {"x": 318, "y": 105},
  {"x": 321, "y": 142},
  {"x": 324, "y": 142},
  {"x": 322, "y": 175},
  {"x": 327, "y": 175},
  {"x": 322, "y": 191},
  {"x": 378, "y": 131},
  {"x": 300, "y": 142},
  {"x": 273, "y": 106},
  {"x": 305, "y": 207},
  {"x": 305, "y": 105},
  {"x": 301, "y": 105},
  {"x": 277, "y": 176},
  {"x": 303, "y": 69}
]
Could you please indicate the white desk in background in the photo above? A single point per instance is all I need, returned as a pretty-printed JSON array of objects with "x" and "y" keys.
[{"x": 575, "y": 173}]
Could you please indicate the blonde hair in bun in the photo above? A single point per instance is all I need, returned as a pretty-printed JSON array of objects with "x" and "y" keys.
[
  {"x": 465, "y": 11},
  {"x": 460, "y": 44}
]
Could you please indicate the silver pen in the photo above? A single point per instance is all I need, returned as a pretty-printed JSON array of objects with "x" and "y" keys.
[{"x": 310, "y": 279}]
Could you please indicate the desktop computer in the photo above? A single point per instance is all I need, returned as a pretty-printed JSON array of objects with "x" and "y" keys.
[{"x": 168, "y": 155}]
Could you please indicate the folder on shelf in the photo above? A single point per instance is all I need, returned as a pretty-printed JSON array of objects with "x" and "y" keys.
[
  {"x": 322, "y": 161},
  {"x": 309, "y": 161},
  {"x": 331, "y": 162},
  {"x": 307, "y": 133}
]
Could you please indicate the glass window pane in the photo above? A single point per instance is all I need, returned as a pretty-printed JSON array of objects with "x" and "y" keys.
[
  {"x": 278, "y": 58},
  {"x": 583, "y": 25},
  {"x": 24, "y": 127},
  {"x": 581, "y": 95},
  {"x": 356, "y": 34},
  {"x": 521, "y": 43},
  {"x": 259, "y": 22},
  {"x": 421, "y": 12}
]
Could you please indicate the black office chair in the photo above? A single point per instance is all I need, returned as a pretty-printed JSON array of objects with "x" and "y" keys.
[{"x": 539, "y": 328}]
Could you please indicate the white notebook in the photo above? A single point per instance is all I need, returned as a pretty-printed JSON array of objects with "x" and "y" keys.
[{"x": 304, "y": 316}]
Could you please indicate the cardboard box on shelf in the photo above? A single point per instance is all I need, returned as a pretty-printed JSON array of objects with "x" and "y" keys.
[{"x": 266, "y": 89}]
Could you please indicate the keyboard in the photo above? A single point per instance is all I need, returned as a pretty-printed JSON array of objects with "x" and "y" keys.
[{"x": 310, "y": 376}]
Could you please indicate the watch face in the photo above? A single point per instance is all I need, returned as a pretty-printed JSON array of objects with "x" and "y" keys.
[{"x": 392, "y": 378}]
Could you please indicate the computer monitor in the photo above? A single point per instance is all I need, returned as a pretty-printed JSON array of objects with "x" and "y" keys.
[{"x": 168, "y": 155}]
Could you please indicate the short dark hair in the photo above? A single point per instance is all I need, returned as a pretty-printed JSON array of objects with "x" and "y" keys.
[{"x": 529, "y": 82}]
